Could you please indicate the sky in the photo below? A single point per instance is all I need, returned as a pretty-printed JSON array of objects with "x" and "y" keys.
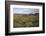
[{"x": 25, "y": 10}]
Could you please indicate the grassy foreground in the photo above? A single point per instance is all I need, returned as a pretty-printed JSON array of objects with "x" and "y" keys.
[{"x": 26, "y": 21}]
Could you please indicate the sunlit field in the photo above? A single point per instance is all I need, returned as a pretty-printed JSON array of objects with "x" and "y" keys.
[{"x": 23, "y": 20}]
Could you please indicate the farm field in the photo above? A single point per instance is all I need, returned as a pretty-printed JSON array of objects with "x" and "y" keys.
[{"x": 20, "y": 20}]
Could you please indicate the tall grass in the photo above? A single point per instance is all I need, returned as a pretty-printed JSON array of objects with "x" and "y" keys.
[{"x": 26, "y": 21}]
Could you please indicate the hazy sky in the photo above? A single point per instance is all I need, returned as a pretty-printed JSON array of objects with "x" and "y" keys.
[{"x": 25, "y": 10}]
